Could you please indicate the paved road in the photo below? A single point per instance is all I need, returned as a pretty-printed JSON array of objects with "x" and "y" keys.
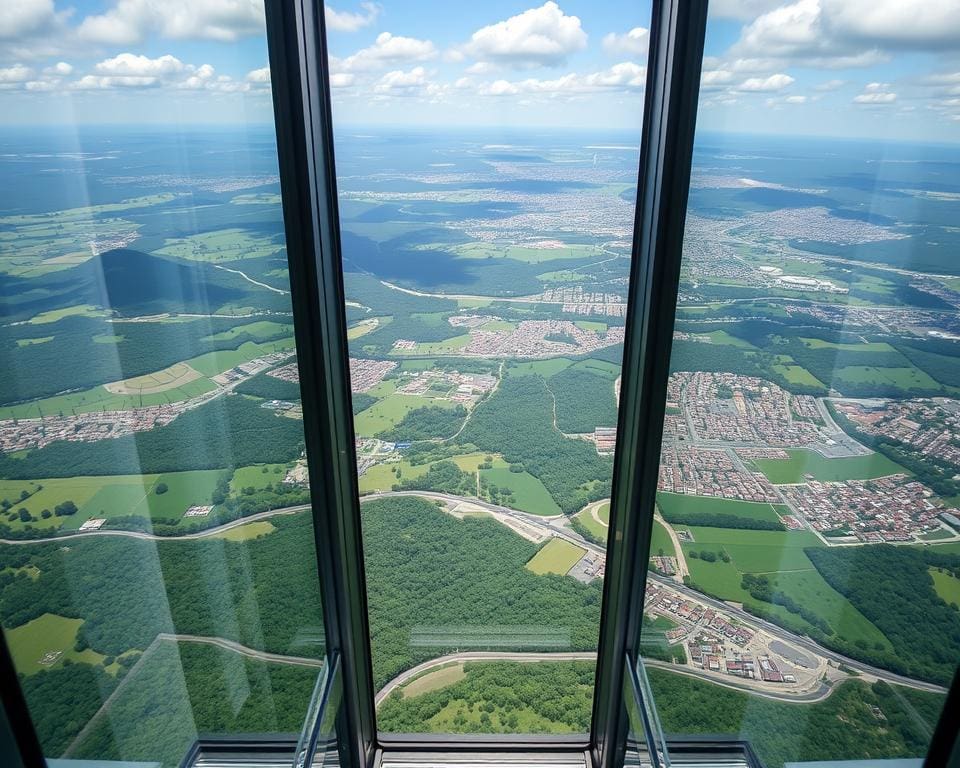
[
  {"x": 205, "y": 534},
  {"x": 555, "y": 526},
  {"x": 405, "y": 677}
]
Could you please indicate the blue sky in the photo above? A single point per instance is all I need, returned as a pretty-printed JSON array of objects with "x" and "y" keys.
[{"x": 885, "y": 69}]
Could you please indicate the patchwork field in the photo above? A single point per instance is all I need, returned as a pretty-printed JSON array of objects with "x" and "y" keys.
[
  {"x": 803, "y": 462},
  {"x": 172, "y": 377},
  {"x": 229, "y": 244},
  {"x": 557, "y": 556},
  {"x": 387, "y": 412}
]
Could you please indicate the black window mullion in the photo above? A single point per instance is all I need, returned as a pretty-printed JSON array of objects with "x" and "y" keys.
[
  {"x": 670, "y": 108},
  {"x": 301, "y": 93}
]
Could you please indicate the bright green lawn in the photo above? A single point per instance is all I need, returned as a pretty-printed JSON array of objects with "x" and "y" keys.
[
  {"x": 586, "y": 519},
  {"x": 803, "y": 462},
  {"x": 558, "y": 556},
  {"x": 528, "y": 492},
  {"x": 390, "y": 410},
  {"x": 905, "y": 378},
  {"x": 603, "y": 512},
  {"x": 46, "y": 634},
  {"x": 259, "y": 330},
  {"x": 947, "y": 586},
  {"x": 678, "y": 504},
  {"x": 213, "y": 363},
  {"x": 796, "y": 374},
  {"x": 660, "y": 539},
  {"x": 255, "y": 477}
]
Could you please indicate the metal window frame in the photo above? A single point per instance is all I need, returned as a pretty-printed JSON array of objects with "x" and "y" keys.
[
  {"x": 304, "y": 122},
  {"x": 296, "y": 39},
  {"x": 677, "y": 36}
]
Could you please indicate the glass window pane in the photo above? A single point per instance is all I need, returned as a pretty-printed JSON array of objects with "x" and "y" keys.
[
  {"x": 157, "y": 567},
  {"x": 487, "y": 163},
  {"x": 805, "y": 570}
]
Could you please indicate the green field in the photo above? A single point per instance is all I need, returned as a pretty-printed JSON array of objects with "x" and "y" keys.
[
  {"x": 603, "y": 512},
  {"x": 387, "y": 412},
  {"x": 867, "y": 346},
  {"x": 109, "y": 496},
  {"x": 588, "y": 522},
  {"x": 677, "y": 504},
  {"x": 222, "y": 245},
  {"x": 947, "y": 586},
  {"x": 434, "y": 680},
  {"x": 545, "y": 368},
  {"x": 660, "y": 540},
  {"x": 797, "y": 374},
  {"x": 381, "y": 477},
  {"x": 213, "y": 363},
  {"x": 780, "y": 556},
  {"x": 803, "y": 462},
  {"x": 80, "y": 310},
  {"x": 905, "y": 378},
  {"x": 259, "y": 330},
  {"x": 528, "y": 492},
  {"x": 449, "y": 346},
  {"x": 47, "y": 634},
  {"x": 557, "y": 556},
  {"x": 722, "y": 337},
  {"x": 258, "y": 476},
  {"x": 248, "y": 532}
]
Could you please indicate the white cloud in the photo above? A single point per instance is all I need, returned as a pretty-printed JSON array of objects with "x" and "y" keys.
[
  {"x": 387, "y": 50},
  {"x": 876, "y": 93},
  {"x": 831, "y": 85},
  {"x": 634, "y": 43},
  {"x": 895, "y": 23},
  {"x": 133, "y": 71},
  {"x": 346, "y": 21},
  {"x": 23, "y": 17},
  {"x": 772, "y": 83},
  {"x": 15, "y": 74},
  {"x": 543, "y": 36},
  {"x": 715, "y": 78},
  {"x": 795, "y": 100},
  {"x": 400, "y": 81},
  {"x": 259, "y": 76},
  {"x": 342, "y": 79},
  {"x": 743, "y": 10},
  {"x": 131, "y": 21},
  {"x": 61, "y": 69},
  {"x": 135, "y": 65},
  {"x": 626, "y": 76}
]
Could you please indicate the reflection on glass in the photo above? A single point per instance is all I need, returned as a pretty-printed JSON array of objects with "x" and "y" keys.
[
  {"x": 804, "y": 563},
  {"x": 157, "y": 570},
  {"x": 487, "y": 163}
]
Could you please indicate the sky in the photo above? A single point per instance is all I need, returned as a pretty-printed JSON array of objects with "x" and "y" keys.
[{"x": 882, "y": 69}]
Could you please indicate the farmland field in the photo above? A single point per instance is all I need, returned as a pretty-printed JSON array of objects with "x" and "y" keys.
[
  {"x": 48, "y": 633},
  {"x": 675, "y": 505},
  {"x": 557, "y": 556},
  {"x": 803, "y": 462},
  {"x": 947, "y": 586},
  {"x": 528, "y": 492},
  {"x": 387, "y": 412}
]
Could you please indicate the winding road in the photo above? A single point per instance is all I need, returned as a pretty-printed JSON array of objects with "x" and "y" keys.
[{"x": 556, "y": 527}]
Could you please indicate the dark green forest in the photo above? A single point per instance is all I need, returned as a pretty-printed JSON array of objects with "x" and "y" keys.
[
  {"x": 436, "y": 584},
  {"x": 584, "y": 400},
  {"x": 521, "y": 407},
  {"x": 228, "y": 431}
]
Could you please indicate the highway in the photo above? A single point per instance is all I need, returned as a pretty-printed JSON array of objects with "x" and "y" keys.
[{"x": 553, "y": 526}]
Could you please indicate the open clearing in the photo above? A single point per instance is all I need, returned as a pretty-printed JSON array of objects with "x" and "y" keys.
[
  {"x": 81, "y": 310},
  {"x": 434, "y": 680},
  {"x": 108, "y": 496},
  {"x": 603, "y": 512},
  {"x": 796, "y": 374},
  {"x": 780, "y": 556},
  {"x": 528, "y": 492},
  {"x": 557, "y": 556},
  {"x": 160, "y": 381},
  {"x": 803, "y": 462},
  {"x": 257, "y": 476},
  {"x": 947, "y": 586},
  {"x": 387, "y": 412},
  {"x": 258, "y": 331},
  {"x": 904, "y": 378},
  {"x": 49, "y": 636},
  {"x": 214, "y": 363},
  {"x": 867, "y": 346},
  {"x": 248, "y": 532},
  {"x": 673, "y": 505}
]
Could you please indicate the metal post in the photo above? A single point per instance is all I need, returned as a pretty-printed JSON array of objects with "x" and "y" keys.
[
  {"x": 301, "y": 95},
  {"x": 670, "y": 108}
]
